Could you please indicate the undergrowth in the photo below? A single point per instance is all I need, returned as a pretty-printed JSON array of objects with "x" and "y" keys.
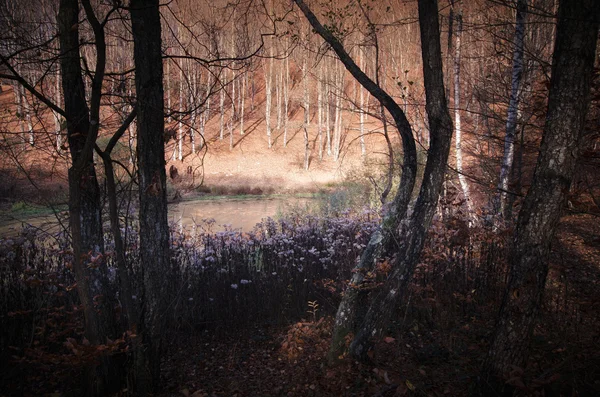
[{"x": 230, "y": 280}]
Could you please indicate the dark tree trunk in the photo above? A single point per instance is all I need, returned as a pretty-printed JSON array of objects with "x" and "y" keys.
[
  {"x": 572, "y": 67},
  {"x": 413, "y": 229},
  {"x": 84, "y": 193},
  {"x": 154, "y": 229},
  {"x": 384, "y": 240}
]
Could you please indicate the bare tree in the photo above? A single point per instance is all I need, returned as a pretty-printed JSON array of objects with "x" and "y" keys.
[
  {"x": 399, "y": 234},
  {"x": 572, "y": 67},
  {"x": 154, "y": 228},
  {"x": 513, "y": 109}
]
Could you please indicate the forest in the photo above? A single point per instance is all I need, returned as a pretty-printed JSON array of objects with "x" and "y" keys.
[{"x": 447, "y": 152}]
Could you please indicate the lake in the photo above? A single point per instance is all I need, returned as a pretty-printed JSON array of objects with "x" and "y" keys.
[{"x": 241, "y": 214}]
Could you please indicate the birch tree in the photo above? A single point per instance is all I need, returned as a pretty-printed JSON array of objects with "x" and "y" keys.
[
  {"x": 458, "y": 141},
  {"x": 569, "y": 96},
  {"x": 513, "y": 110}
]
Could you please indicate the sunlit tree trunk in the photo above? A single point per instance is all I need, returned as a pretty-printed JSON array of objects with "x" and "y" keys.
[
  {"x": 278, "y": 97},
  {"x": 222, "y": 113},
  {"x": 286, "y": 97},
  {"x": 192, "y": 95},
  {"x": 242, "y": 102},
  {"x": 268, "y": 89},
  {"x": 327, "y": 110},
  {"x": 320, "y": 112},
  {"x": 180, "y": 121},
  {"x": 58, "y": 120},
  {"x": 457, "y": 121},
  {"x": 306, "y": 112},
  {"x": 363, "y": 148},
  {"x": 338, "y": 119},
  {"x": 513, "y": 109},
  {"x": 232, "y": 117}
]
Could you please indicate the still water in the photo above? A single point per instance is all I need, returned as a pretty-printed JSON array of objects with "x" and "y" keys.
[
  {"x": 234, "y": 213},
  {"x": 237, "y": 214}
]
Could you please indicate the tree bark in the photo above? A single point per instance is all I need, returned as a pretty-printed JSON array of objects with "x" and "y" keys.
[
  {"x": 457, "y": 120},
  {"x": 413, "y": 228},
  {"x": 84, "y": 193},
  {"x": 154, "y": 229},
  {"x": 268, "y": 93},
  {"x": 349, "y": 313},
  {"x": 572, "y": 67},
  {"x": 513, "y": 108}
]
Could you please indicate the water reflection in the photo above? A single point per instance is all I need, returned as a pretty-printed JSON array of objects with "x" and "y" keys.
[
  {"x": 237, "y": 214},
  {"x": 241, "y": 214}
]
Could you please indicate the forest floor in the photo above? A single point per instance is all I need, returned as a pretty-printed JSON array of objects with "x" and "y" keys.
[{"x": 427, "y": 352}]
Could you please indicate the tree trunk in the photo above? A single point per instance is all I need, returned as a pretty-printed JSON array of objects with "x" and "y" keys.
[
  {"x": 350, "y": 311},
  {"x": 268, "y": 93},
  {"x": 192, "y": 95},
  {"x": 513, "y": 108},
  {"x": 413, "y": 229},
  {"x": 306, "y": 112},
  {"x": 572, "y": 67},
  {"x": 84, "y": 193},
  {"x": 320, "y": 112},
  {"x": 222, "y": 114},
  {"x": 457, "y": 122},
  {"x": 363, "y": 148},
  {"x": 286, "y": 97},
  {"x": 58, "y": 120},
  {"x": 154, "y": 229},
  {"x": 242, "y": 102},
  {"x": 327, "y": 110},
  {"x": 232, "y": 117},
  {"x": 180, "y": 121}
]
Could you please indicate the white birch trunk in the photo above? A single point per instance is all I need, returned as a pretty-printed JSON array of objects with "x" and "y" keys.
[
  {"x": 168, "y": 89},
  {"x": 513, "y": 108},
  {"x": 363, "y": 148},
  {"x": 193, "y": 93},
  {"x": 457, "y": 122},
  {"x": 242, "y": 102},
  {"x": 232, "y": 118},
  {"x": 337, "y": 134},
  {"x": 286, "y": 98},
  {"x": 320, "y": 112},
  {"x": 268, "y": 86},
  {"x": 278, "y": 99},
  {"x": 327, "y": 111},
  {"x": 180, "y": 122},
  {"x": 306, "y": 110},
  {"x": 58, "y": 121},
  {"x": 222, "y": 116}
]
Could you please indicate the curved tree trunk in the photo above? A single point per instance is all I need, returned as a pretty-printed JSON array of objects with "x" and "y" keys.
[
  {"x": 385, "y": 239},
  {"x": 413, "y": 228},
  {"x": 572, "y": 67}
]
